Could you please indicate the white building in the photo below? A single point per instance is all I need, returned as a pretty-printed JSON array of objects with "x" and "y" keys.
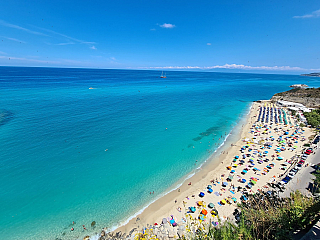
[{"x": 294, "y": 106}]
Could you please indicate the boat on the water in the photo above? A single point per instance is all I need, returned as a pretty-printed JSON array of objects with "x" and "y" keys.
[{"x": 163, "y": 76}]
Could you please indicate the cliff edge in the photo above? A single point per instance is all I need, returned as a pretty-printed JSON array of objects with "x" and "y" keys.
[{"x": 309, "y": 97}]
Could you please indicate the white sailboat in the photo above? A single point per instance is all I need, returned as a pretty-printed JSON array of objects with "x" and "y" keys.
[{"x": 163, "y": 76}]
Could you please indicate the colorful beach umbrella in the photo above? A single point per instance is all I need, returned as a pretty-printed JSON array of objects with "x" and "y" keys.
[
  {"x": 192, "y": 209},
  {"x": 214, "y": 212}
]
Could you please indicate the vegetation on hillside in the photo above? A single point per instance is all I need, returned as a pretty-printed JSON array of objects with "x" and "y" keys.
[
  {"x": 313, "y": 117},
  {"x": 300, "y": 92},
  {"x": 266, "y": 216},
  {"x": 316, "y": 181}
]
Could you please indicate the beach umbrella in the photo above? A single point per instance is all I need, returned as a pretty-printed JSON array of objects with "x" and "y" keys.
[
  {"x": 223, "y": 201},
  {"x": 234, "y": 160},
  {"x": 192, "y": 209},
  {"x": 243, "y": 180},
  {"x": 211, "y": 205},
  {"x": 215, "y": 223},
  {"x": 172, "y": 221},
  {"x": 209, "y": 186},
  {"x": 202, "y": 217},
  {"x": 216, "y": 193},
  {"x": 224, "y": 184},
  {"x": 236, "y": 157},
  {"x": 244, "y": 198},
  {"x": 214, "y": 212},
  {"x": 201, "y": 194},
  {"x": 164, "y": 220},
  {"x": 204, "y": 212},
  {"x": 253, "y": 182},
  {"x": 210, "y": 190},
  {"x": 232, "y": 171},
  {"x": 200, "y": 203},
  {"x": 234, "y": 199}
]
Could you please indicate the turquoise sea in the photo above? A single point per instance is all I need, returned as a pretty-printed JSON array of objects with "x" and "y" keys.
[{"x": 70, "y": 153}]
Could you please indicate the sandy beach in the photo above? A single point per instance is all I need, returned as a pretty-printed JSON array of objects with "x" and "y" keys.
[{"x": 258, "y": 157}]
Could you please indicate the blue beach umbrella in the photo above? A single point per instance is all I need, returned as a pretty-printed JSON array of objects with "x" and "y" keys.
[
  {"x": 201, "y": 194},
  {"x": 210, "y": 190},
  {"x": 192, "y": 209}
]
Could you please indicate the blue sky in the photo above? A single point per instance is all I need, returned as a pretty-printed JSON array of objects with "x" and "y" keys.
[{"x": 212, "y": 35}]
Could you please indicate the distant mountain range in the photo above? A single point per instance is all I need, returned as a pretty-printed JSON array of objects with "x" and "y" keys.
[{"x": 311, "y": 75}]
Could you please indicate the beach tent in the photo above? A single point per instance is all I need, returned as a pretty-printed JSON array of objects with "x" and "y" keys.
[{"x": 211, "y": 205}]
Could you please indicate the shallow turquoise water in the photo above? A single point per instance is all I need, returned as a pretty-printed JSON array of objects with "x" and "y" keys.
[{"x": 54, "y": 132}]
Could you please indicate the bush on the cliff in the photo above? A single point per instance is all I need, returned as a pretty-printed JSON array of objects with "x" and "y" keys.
[{"x": 313, "y": 118}]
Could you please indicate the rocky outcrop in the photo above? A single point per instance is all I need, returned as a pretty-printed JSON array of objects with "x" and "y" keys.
[{"x": 309, "y": 97}]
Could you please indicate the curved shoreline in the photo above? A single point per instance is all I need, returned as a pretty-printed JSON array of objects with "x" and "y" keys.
[{"x": 212, "y": 163}]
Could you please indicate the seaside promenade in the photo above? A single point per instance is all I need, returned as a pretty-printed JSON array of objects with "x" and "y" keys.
[{"x": 268, "y": 147}]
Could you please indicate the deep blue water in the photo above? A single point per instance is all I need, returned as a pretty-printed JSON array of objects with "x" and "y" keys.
[{"x": 54, "y": 131}]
